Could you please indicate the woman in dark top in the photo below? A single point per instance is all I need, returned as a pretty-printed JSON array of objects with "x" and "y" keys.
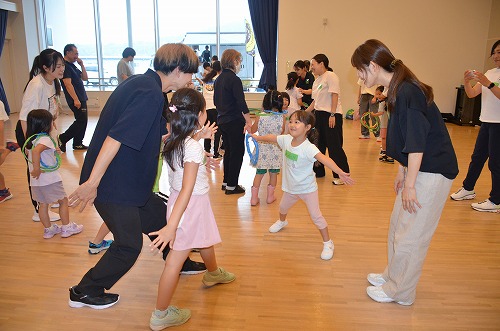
[
  {"x": 233, "y": 118},
  {"x": 305, "y": 83},
  {"x": 418, "y": 139}
]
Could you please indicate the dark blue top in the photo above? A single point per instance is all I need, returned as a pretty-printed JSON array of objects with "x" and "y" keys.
[
  {"x": 229, "y": 98},
  {"x": 133, "y": 116},
  {"x": 416, "y": 127},
  {"x": 71, "y": 71}
]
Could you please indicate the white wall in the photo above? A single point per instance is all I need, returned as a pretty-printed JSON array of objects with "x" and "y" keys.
[{"x": 438, "y": 40}]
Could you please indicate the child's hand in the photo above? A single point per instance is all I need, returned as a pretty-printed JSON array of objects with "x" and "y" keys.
[
  {"x": 208, "y": 131},
  {"x": 346, "y": 178},
  {"x": 35, "y": 173},
  {"x": 254, "y": 136},
  {"x": 211, "y": 163},
  {"x": 165, "y": 236}
]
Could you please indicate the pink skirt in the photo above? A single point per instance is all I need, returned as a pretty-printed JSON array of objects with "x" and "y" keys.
[{"x": 197, "y": 227}]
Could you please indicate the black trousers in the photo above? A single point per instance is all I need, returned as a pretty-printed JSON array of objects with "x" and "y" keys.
[
  {"x": 77, "y": 130},
  {"x": 331, "y": 138},
  {"x": 212, "y": 118},
  {"x": 234, "y": 150},
  {"x": 127, "y": 223},
  {"x": 486, "y": 147},
  {"x": 21, "y": 139}
]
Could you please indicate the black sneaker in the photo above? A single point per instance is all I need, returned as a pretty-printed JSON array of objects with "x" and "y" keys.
[
  {"x": 223, "y": 187},
  {"x": 80, "y": 147},
  {"x": 238, "y": 190},
  {"x": 79, "y": 300},
  {"x": 62, "y": 146},
  {"x": 191, "y": 267}
]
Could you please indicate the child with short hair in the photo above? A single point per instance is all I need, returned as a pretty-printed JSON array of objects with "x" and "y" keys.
[
  {"x": 299, "y": 181},
  {"x": 46, "y": 183},
  {"x": 190, "y": 220},
  {"x": 269, "y": 158}
]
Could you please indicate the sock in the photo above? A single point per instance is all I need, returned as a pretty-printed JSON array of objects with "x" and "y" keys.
[
  {"x": 230, "y": 188},
  {"x": 329, "y": 242},
  {"x": 160, "y": 313}
]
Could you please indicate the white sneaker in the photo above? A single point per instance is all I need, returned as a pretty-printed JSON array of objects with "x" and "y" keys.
[
  {"x": 486, "y": 205},
  {"x": 53, "y": 216},
  {"x": 337, "y": 181},
  {"x": 378, "y": 294},
  {"x": 327, "y": 252},
  {"x": 364, "y": 137},
  {"x": 54, "y": 205},
  {"x": 463, "y": 194},
  {"x": 278, "y": 225},
  {"x": 375, "y": 279},
  {"x": 379, "y": 139}
]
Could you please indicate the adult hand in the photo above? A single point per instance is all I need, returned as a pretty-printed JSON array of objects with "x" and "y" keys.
[
  {"x": 84, "y": 194},
  {"x": 398, "y": 181},
  {"x": 469, "y": 75},
  {"x": 247, "y": 128},
  {"x": 79, "y": 61},
  {"x": 77, "y": 103},
  {"x": 165, "y": 236},
  {"x": 331, "y": 122},
  {"x": 410, "y": 202},
  {"x": 481, "y": 78}
]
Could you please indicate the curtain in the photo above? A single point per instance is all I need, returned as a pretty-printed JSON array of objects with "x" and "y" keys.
[
  {"x": 3, "y": 30},
  {"x": 264, "y": 16}
]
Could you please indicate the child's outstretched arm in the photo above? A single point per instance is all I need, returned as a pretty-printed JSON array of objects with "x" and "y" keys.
[
  {"x": 268, "y": 138},
  {"x": 329, "y": 163},
  {"x": 35, "y": 159},
  {"x": 166, "y": 235}
]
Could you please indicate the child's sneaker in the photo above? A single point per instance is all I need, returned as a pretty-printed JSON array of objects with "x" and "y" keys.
[
  {"x": 278, "y": 225},
  {"x": 327, "y": 252},
  {"x": 221, "y": 277},
  {"x": 5, "y": 195},
  {"x": 12, "y": 146},
  {"x": 70, "y": 229},
  {"x": 463, "y": 194},
  {"x": 51, "y": 231},
  {"x": 174, "y": 316},
  {"x": 486, "y": 205},
  {"x": 96, "y": 248}
]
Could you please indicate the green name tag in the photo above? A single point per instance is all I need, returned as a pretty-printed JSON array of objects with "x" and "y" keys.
[{"x": 291, "y": 156}]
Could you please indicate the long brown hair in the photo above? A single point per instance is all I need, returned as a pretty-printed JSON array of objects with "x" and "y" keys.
[{"x": 375, "y": 51}]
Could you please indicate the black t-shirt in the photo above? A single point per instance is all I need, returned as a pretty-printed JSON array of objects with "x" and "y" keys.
[
  {"x": 205, "y": 56},
  {"x": 229, "y": 98},
  {"x": 133, "y": 116},
  {"x": 306, "y": 84},
  {"x": 71, "y": 71},
  {"x": 415, "y": 127}
]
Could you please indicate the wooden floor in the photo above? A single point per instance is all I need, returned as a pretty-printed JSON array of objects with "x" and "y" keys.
[{"x": 281, "y": 284}]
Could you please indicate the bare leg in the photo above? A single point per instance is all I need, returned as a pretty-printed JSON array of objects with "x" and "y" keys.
[
  {"x": 324, "y": 234},
  {"x": 383, "y": 135},
  {"x": 257, "y": 180},
  {"x": 273, "y": 179},
  {"x": 103, "y": 231},
  {"x": 43, "y": 212},
  {"x": 2, "y": 182},
  {"x": 170, "y": 277},
  {"x": 63, "y": 211},
  {"x": 208, "y": 256}
]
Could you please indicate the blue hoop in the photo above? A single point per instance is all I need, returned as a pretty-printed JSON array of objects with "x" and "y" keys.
[{"x": 255, "y": 156}]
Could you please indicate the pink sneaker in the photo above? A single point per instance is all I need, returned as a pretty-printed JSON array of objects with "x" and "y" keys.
[
  {"x": 71, "y": 229},
  {"x": 51, "y": 231}
]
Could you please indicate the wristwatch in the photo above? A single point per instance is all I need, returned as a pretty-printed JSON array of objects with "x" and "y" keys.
[
  {"x": 332, "y": 114},
  {"x": 491, "y": 85}
]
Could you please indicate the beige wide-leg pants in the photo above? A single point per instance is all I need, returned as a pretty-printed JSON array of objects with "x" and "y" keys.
[{"x": 410, "y": 236}]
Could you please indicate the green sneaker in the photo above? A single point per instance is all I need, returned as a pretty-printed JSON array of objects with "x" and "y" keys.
[
  {"x": 174, "y": 316},
  {"x": 223, "y": 277}
]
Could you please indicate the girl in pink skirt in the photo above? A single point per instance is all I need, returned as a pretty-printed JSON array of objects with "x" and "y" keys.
[{"x": 190, "y": 220}]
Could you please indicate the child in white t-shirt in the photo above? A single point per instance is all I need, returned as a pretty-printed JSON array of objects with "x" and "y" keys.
[
  {"x": 293, "y": 92},
  {"x": 299, "y": 181},
  {"x": 46, "y": 182}
]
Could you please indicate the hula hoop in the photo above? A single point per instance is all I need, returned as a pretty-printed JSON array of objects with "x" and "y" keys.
[
  {"x": 364, "y": 120},
  {"x": 255, "y": 156},
  {"x": 43, "y": 166}
]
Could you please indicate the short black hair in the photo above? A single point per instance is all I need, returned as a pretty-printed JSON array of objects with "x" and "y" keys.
[
  {"x": 129, "y": 51},
  {"x": 68, "y": 48}
]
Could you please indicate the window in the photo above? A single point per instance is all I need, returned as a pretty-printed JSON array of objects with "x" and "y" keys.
[{"x": 101, "y": 33}]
